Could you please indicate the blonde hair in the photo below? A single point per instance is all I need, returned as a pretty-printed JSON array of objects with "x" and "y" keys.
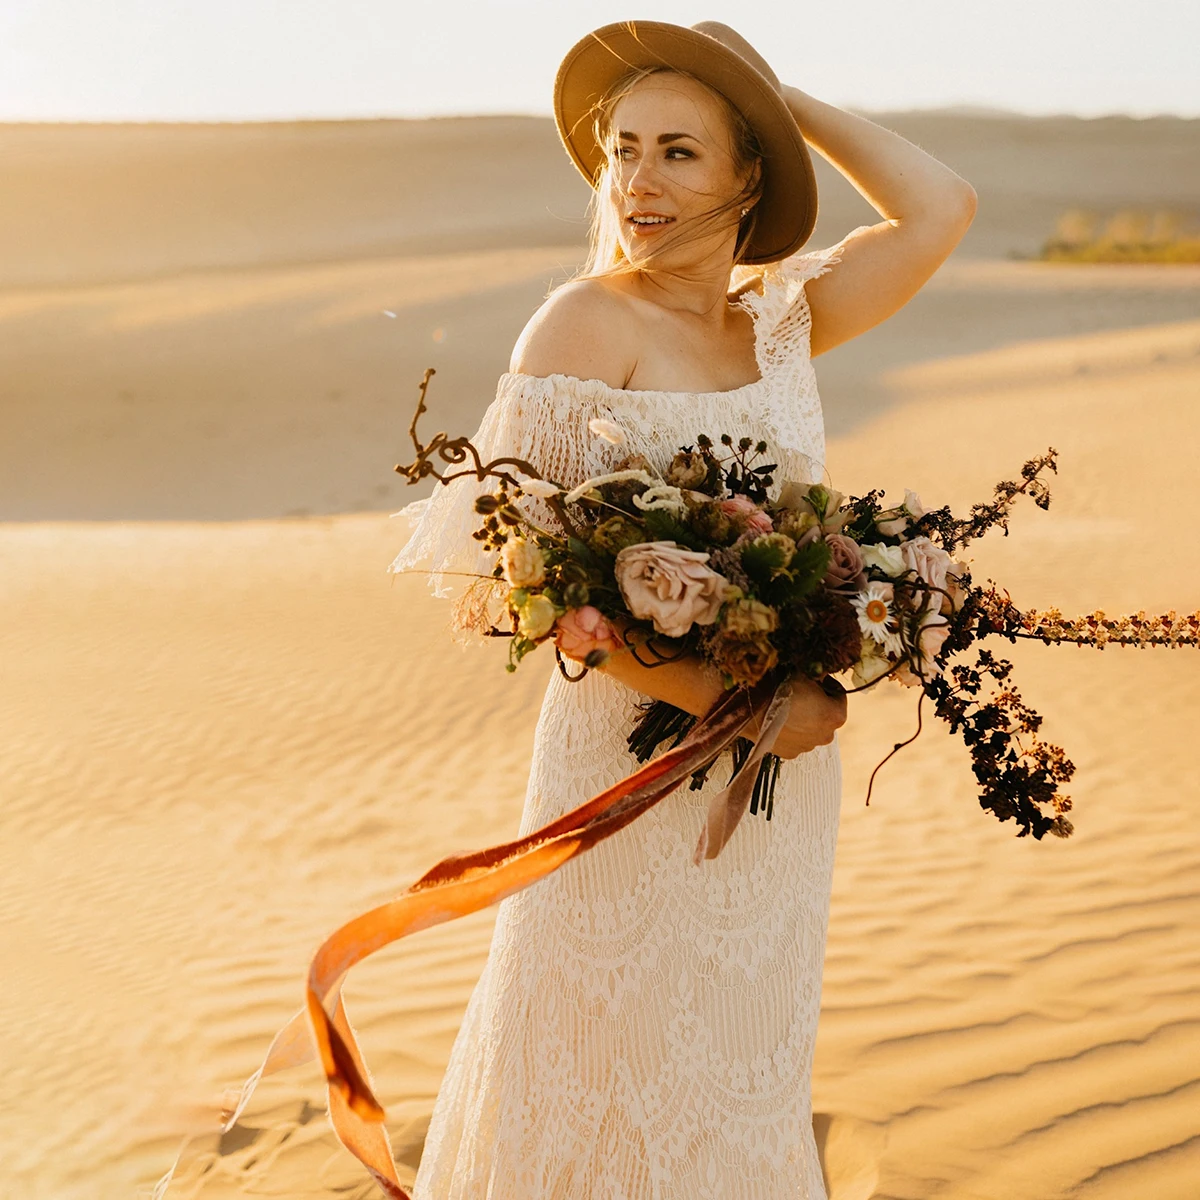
[{"x": 605, "y": 255}]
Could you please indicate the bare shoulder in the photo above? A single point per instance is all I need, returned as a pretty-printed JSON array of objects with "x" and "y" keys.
[{"x": 585, "y": 328}]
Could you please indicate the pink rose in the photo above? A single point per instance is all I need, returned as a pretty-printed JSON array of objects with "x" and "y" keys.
[
  {"x": 745, "y": 512},
  {"x": 670, "y": 586},
  {"x": 846, "y": 571},
  {"x": 583, "y": 631},
  {"x": 930, "y": 562}
]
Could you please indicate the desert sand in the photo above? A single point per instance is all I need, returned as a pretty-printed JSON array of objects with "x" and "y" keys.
[{"x": 226, "y": 729}]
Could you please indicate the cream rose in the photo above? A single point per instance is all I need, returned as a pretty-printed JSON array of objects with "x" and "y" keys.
[
  {"x": 669, "y": 586},
  {"x": 887, "y": 559},
  {"x": 522, "y": 563}
]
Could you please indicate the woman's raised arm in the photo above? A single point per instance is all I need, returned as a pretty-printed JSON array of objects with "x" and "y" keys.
[{"x": 926, "y": 209}]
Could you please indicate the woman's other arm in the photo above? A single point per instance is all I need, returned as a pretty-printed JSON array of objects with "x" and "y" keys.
[{"x": 926, "y": 209}]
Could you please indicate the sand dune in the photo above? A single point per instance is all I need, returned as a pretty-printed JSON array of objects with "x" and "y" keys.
[
  {"x": 225, "y": 737},
  {"x": 225, "y": 729}
]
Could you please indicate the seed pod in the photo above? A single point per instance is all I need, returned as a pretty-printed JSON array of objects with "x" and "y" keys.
[
  {"x": 486, "y": 505},
  {"x": 576, "y": 595},
  {"x": 509, "y": 515}
]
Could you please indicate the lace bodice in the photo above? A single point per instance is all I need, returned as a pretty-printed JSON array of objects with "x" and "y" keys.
[{"x": 644, "y": 1028}]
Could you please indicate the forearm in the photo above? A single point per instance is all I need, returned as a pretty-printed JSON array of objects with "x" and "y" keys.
[
  {"x": 689, "y": 684},
  {"x": 899, "y": 180}
]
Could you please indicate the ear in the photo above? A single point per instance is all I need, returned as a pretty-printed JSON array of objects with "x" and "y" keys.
[{"x": 754, "y": 180}]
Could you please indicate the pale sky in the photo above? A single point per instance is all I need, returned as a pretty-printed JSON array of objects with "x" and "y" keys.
[{"x": 103, "y": 60}]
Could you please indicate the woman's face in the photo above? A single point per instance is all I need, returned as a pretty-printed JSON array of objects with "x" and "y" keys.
[{"x": 674, "y": 176}]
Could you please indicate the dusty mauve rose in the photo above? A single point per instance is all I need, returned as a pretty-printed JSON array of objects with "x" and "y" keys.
[
  {"x": 846, "y": 564},
  {"x": 670, "y": 586},
  {"x": 744, "y": 660},
  {"x": 929, "y": 561},
  {"x": 746, "y": 513},
  {"x": 583, "y": 631},
  {"x": 522, "y": 563}
]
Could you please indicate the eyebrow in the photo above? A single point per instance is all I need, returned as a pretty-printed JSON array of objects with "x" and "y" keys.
[{"x": 664, "y": 139}]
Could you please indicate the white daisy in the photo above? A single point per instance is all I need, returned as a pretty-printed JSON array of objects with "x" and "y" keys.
[{"x": 874, "y": 607}]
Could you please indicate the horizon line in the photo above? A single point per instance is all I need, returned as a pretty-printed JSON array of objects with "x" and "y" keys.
[{"x": 979, "y": 111}]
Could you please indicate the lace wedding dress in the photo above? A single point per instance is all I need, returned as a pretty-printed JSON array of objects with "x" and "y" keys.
[{"x": 644, "y": 1028}]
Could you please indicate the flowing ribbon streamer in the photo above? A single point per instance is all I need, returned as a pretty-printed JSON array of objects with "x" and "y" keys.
[
  {"x": 464, "y": 884},
  {"x": 728, "y": 807}
]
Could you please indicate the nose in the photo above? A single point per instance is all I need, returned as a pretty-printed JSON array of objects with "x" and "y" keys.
[{"x": 643, "y": 180}]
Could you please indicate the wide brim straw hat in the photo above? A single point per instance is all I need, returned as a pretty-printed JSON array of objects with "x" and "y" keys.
[{"x": 726, "y": 62}]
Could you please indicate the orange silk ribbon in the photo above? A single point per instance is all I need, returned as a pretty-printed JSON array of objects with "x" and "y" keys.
[{"x": 465, "y": 884}]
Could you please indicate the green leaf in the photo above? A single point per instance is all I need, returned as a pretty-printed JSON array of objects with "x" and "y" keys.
[
  {"x": 582, "y": 552},
  {"x": 803, "y": 576}
]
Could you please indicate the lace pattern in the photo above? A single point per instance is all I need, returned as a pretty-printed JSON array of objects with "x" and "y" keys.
[{"x": 643, "y": 1029}]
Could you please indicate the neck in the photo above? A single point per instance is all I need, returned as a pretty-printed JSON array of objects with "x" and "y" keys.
[{"x": 699, "y": 288}]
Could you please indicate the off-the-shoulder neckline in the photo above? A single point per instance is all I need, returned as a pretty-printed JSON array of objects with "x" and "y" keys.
[{"x": 600, "y": 385}]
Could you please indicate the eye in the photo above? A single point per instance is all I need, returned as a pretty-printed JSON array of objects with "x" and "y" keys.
[
  {"x": 680, "y": 151},
  {"x": 622, "y": 152}
]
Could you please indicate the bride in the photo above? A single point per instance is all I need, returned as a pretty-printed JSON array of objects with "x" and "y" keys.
[{"x": 643, "y": 1027}]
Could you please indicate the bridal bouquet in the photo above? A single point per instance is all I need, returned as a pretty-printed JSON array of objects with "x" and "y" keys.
[{"x": 706, "y": 558}]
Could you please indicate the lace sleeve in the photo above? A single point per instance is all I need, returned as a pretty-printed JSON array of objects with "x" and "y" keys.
[{"x": 542, "y": 420}]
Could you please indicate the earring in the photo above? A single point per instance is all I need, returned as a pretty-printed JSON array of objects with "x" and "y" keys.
[{"x": 745, "y": 210}]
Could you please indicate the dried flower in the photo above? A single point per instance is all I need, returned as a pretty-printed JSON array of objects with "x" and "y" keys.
[
  {"x": 610, "y": 431},
  {"x": 615, "y": 534},
  {"x": 660, "y": 498},
  {"x": 543, "y": 489},
  {"x": 801, "y": 526},
  {"x": 709, "y": 521},
  {"x": 687, "y": 470},
  {"x": 522, "y": 563},
  {"x": 748, "y": 618},
  {"x": 744, "y": 660},
  {"x": 632, "y": 474},
  {"x": 670, "y": 586}
]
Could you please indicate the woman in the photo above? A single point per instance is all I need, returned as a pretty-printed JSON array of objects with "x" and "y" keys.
[{"x": 644, "y": 1028}]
